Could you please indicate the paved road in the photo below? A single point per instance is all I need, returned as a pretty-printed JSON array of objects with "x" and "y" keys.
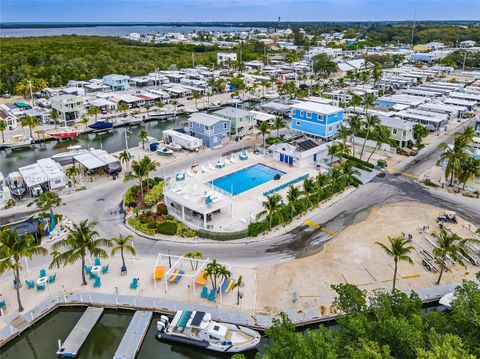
[{"x": 103, "y": 203}]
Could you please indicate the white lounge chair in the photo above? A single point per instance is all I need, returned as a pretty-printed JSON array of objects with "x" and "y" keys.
[
  {"x": 232, "y": 160},
  {"x": 204, "y": 169},
  {"x": 189, "y": 173},
  {"x": 212, "y": 167},
  {"x": 227, "y": 162}
]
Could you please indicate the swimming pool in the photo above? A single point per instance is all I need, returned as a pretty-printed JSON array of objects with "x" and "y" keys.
[{"x": 245, "y": 179}]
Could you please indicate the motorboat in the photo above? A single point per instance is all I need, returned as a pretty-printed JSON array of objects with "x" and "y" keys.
[
  {"x": 16, "y": 184},
  {"x": 174, "y": 146},
  {"x": 67, "y": 157},
  {"x": 130, "y": 121},
  {"x": 18, "y": 141},
  {"x": 447, "y": 300},
  {"x": 160, "y": 116},
  {"x": 101, "y": 126},
  {"x": 163, "y": 151},
  {"x": 64, "y": 133},
  {"x": 198, "y": 329}
]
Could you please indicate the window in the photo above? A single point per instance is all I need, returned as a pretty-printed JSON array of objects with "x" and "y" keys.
[
  {"x": 309, "y": 115},
  {"x": 213, "y": 337},
  {"x": 302, "y": 113},
  {"x": 224, "y": 125},
  {"x": 330, "y": 128},
  {"x": 298, "y": 123},
  {"x": 198, "y": 125},
  {"x": 394, "y": 131},
  {"x": 191, "y": 124}
]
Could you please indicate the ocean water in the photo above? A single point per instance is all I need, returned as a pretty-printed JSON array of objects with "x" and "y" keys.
[{"x": 113, "y": 30}]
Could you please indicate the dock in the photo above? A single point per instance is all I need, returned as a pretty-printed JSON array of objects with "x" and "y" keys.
[
  {"x": 71, "y": 346},
  {"x": 133, "y": 337}
]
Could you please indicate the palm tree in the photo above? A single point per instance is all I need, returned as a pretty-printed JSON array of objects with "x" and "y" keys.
[
  {"x": 47, "y": 200},
  {"x": 143, "y": 137},
  {"x": 149, "y": 166},
  {"x": 271, "y": 205},
  {"x": 377, "y": 74},
  {"x": 355, "y": 123},
  {"x": 399, "y": 249},
  {"x": 31, "y": 122},
  {"x": 24, "y": 88},
  {"x": 3, "y": 127},
  {"x": 122, "y": 107},
  {"x": 343, "y": 150},
  {"x": 193, "y": 255},
  {"x": 343, "y": 133},
  {"x": 196, "y": 96},
  {"x": 82, "y": 240},
  {"x": 381, "y": 134},
  {"x": 264, "y": 129},
  {"x": 94, "y": 111},
  {"x": 54, "y": 115},
  {"x": 355, "y": 101},
  {"x": 223, "y": 273},
  {"x": 371, "y": 122},
  {"x": 451, "y": 246},
  {"x": 454, "y": 158},
  {"x": 332, "y": 151},
  {"x": 278, "y": 124},
  {"x": 124, "y": 157},
  {"x": 137, "y": 172},
  {"x": 122, "y": 243},
  {"x": 84, "y": 121},
  {"x": 309, "y": 188},
  {"x": 368, "y": 102},
  {"x": 211, "y": 270},
  {"x": 468, "y": 134},
  {"x": 159, "y": 104},
  {"x": 348, "y": 173},
  {"x": 238, "y": 284},
  {"x": 39, "y": 84},
  {"x": 175, "y": 103},
  {"x": 470, "y": 169},
  {"x": 419, "y": 132},
  {"x": 13, "y": 248},
  {"x": 72, "y": 172},
  {"x": 292, "y": 196}
]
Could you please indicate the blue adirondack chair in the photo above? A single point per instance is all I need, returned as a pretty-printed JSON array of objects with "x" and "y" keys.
[
  {"x": 40, "y": 287},
  {"x": 3, "y": 304},
  {"x": 30, "y": 283},
  {"x": 134, "y": 284},
  {"x": 211, "y": 295},
  {"x": 204, "y": 292},
  {"x": 97, "y": 262},
  {"x": 43, "y": 273},
  {"x": 105, "y": 269},
  {"x": 97, "y": 283},
  {"x": 52, "y": 278},
  {"x": 93, "y": 275}
]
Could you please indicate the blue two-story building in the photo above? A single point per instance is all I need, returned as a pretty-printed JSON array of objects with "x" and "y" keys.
[
  {"x": 116, "y": 82},
  {"x": 213, "y": 130},
  {"x": 316, "y": 119}
]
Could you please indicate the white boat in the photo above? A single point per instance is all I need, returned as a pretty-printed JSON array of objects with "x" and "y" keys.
[
  {"x": 447, "y": 300},
  {"x": 18, "y": 141},
  {"x": 174, "y": 146},
  {"x": 163, "y": 151},
  {"x": 198, "y": 329},
  {"x": 67, "y": 157},
  {"x": 160, "y": 115}
]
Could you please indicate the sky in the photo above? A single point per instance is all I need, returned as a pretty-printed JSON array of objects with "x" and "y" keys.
[{"x": 234, "y": 10}]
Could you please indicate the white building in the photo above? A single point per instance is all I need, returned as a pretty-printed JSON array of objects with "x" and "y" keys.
[
  {"x": 69, "y": 107},
  {"x": 226, "y": 57},
  {"x": 4, "y": 192}
]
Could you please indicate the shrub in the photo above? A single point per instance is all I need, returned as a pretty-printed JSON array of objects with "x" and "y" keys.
[
  {"x": 149, "y": 182},
  {"x": 222, "y": 236},
  {"x": 155, "y": 195},
  {"x": 272, "y": 140},
  {"x": 168, "y": 228},
  {"x": 359, "y": 161},
  {"x": 130, "y": 194},
  {"x": 136, "y": 223},
  {"x": 184, "y": 231},
  {"x": 162, "y": 209},
  {"x": 255, "y": 228},
  {"x": 359, "y": 165}
]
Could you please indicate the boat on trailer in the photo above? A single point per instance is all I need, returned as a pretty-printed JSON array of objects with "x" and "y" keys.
[
  {"x": 63, "y": 133},
  {"x": 163, "y": 151},
  {"x": 198, "y": 329}
]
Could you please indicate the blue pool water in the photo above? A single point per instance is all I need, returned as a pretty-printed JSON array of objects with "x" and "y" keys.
[{"x": 247, "y": 178}]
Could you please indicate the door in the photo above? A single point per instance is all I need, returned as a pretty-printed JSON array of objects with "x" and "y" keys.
[{"x": 281, "y": 157}]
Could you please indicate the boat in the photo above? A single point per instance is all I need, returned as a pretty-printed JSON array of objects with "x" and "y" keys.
[
  {"x": 163, "y": 151},
  {"x": 67, "y": 157},
  {"x": 160, "y": 116},
  {"x": 447, "y": 300},
  {"x": 18, "y": 141},
  {"x": 101, "y": 126},
  {"x": 174, "y": 146},
  {"x": 198, "y": 329},
  {"x": 16, "y": 184},
  {"x": 63, "y": 133}
]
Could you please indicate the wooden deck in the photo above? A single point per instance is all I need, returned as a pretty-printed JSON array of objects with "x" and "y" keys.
[{"x": 133, "y": 337}]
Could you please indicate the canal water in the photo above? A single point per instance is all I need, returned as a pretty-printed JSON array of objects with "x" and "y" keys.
[
  {"x": 41, "y": 341},
  {"x": 112, "y": 141}
]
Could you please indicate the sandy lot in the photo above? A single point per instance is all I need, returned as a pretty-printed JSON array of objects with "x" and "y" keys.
[{"x": 353, "y": 257}]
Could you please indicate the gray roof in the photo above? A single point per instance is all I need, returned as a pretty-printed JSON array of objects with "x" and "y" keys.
[
  {"x": 396, "y": 123},
  {"x": 232, "y": 112},
  {"x": 206, "y": 119}
]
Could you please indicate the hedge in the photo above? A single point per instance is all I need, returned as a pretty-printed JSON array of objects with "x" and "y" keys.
[
  {"x": 223, "y": 236},
  {"x": 255, "y": 228},
  {"x": 358, "y": 160},
  {"x": 359, "y": 165},
  {"x": 168, "y": 228},
  {"x": 129, "y": 197}
]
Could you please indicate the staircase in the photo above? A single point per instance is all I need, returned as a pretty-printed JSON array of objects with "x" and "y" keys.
[{"x": 246, "y": 129}]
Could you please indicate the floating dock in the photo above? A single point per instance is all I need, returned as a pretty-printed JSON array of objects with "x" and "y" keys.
[
  {"x": 71, "y": 346},
  {"x": 133, "y": 337}
]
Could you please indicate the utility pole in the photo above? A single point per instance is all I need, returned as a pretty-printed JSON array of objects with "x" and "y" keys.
[
  {"x": 413, "y": 28},
  {"x": 464, "y": 59},
  {"x": 193, "y": 59}
]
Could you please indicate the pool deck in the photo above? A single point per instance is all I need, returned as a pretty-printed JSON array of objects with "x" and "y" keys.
[{"x": 236, "y": 212}]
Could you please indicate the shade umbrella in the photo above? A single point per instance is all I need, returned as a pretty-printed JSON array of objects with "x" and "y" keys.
[{"x": 52, "y": 222}]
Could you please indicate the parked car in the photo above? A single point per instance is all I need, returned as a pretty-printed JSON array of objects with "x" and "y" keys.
[{"x": 408, "y": 152}]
